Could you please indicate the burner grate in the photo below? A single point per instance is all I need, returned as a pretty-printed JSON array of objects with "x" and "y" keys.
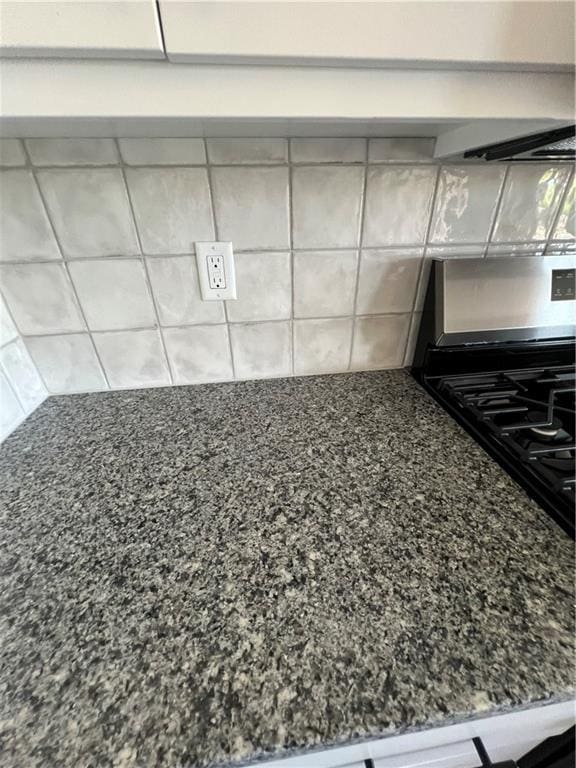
[{"x": 531, "y": 414}]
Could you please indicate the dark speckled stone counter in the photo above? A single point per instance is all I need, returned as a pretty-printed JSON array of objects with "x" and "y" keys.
[{"x": 203, "y": 575}]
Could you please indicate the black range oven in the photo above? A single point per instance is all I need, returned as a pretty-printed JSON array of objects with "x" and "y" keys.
[{"x": 496, "y": 349}]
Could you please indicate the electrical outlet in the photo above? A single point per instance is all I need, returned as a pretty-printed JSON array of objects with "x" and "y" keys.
[{"x": 215, "y": 263}]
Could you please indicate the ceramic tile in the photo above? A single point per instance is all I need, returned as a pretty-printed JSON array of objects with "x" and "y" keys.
[
  {"x": 72, "y": 151},
  {"x": 261, "y": 349},
  {"x": 564, "y": 248},
  {"x": 410, "y": 150},
  {"x": 172, "y": 208},
  {"x": 328, "y": 150},
  {"x": 113, "y": 293},
  {"x": 22, "y": 374},
  {"x": 8, "y": 330},
  {"x": 162, "y": 151},
  {"x": 176, "y": 289},
  {"x": 398, "y": 200},
  {"x": 322, "y": 346},
  {"x": 423, "y": 281},
  {"x": 530, "y": 201},
  {"x": 515, "y": 249},
  {"x": 133, "y": 359},
  {"x": 40, "y": 298},
  {"x": 387, "y": 281},
  {"x": 239, "y": 151},
  {"x": 198, "y": 354},
  {"x": 324, "y": 283},
  {"x": 263, "y": 287},
  {"x": 412, "y": 338},
  {"x": 67, "y": 363},
  {"x": 251, "y": 206},
  {"x": 465, "y": 203},
  {"x": 476, "y": 251},
  {"x": 25, "y": 233},
  {"x": 326, "y": 206},
  {"x": 11, "y": 153},
  {"x": 11, "y": 413},
  {"x": 565, "y": 228},
  {"x": 380, "y": 342},
  {"x": 90, "y": 211}
]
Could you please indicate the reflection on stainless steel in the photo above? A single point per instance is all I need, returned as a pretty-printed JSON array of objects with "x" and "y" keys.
[{"x": 501, "y": 299}]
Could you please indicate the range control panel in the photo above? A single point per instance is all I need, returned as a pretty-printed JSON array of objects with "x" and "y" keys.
[{"x": 563, "y": 284}]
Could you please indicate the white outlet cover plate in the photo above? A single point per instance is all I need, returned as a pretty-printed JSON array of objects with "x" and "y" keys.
[{"x": 203, "y": 252}]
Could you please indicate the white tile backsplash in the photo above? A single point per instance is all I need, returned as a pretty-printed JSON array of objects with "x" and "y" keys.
[
  {"x": 247, "y": 151},
  {"x": 326, "y": 203},
  {"x": 200, "y": 353},
  {"x": 401, "y": 150},
  {"x": 8, "y": 330},
  {"x": 412, "y": 338},
  {"x": 25, "y": 233},
  {"x": 40, "y": 298},
  {"x": 11, "y": 153},
  {"x": 176, "y": 289},
  {"x": 515, "y": 249},
  {"x": 90, "y": 211},
  {"x": 263, "y": 287},
  {"x": 380, "y": 342},
  {"x": 530, "y": 201},
  {"x": 172, "y": 208},
  {"x": 11, "y": 412},
  {"x": 113, "y": 293},
  {"x": 565, "y": 228},
  {"x": 388, "y": 281},
  {"x": 133, "y": 359},
  {"x": 328, "y": 150},
  {"x": 322, "y": 346},
  {"x": 261, "y": 349},
  {"x": 324, "y": 283},
  {"x": 67, "y": 363},
  {"x": 333, "y": 252},
  {"x": 162, "y": 151},
  {"x": 251, "y": 206},
  {"x": 72, "y": 151},
  {"x": 465, "y": 203},
  {"x": 22, "y": 375},
  {"x": 398, "y": 202}
]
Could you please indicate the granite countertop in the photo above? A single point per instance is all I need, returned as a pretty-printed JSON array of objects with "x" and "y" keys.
[{"x": 211, "y": 574}]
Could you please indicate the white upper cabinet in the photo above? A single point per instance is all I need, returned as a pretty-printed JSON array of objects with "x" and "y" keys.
[
  {"x": 113, "y": 29},
  {"x": 505, "y": 35}
]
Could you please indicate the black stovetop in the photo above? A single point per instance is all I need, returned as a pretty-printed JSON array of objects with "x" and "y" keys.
[{"x": 524, "y": 416}]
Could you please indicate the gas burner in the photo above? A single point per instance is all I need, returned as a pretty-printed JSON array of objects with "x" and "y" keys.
[
  {"x": 562, "y": 460},
  {"x": 543, "y": 428}
]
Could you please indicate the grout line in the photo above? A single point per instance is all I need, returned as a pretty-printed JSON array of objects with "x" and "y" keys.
[
  {"x": 206, "y": 325},
  {"x": 261, "y": 164},
  {"x": 147, "y": 274},
  {"x": 497, "y": 208},
  {"x": 292, "y": 265},
  {"x": 426, "y": 244},
  {"x": 216, "y": 235},
  {"x": 360, "y": 241},
  {"x": 66, "y": 269},
  {"x": 452, "y": 246}
]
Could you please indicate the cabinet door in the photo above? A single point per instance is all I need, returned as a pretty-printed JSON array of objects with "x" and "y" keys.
[
  {"x": 81, "y": 29},
  {"x": 471, "y": 35},
  {"x": 459, "y": 755}
]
